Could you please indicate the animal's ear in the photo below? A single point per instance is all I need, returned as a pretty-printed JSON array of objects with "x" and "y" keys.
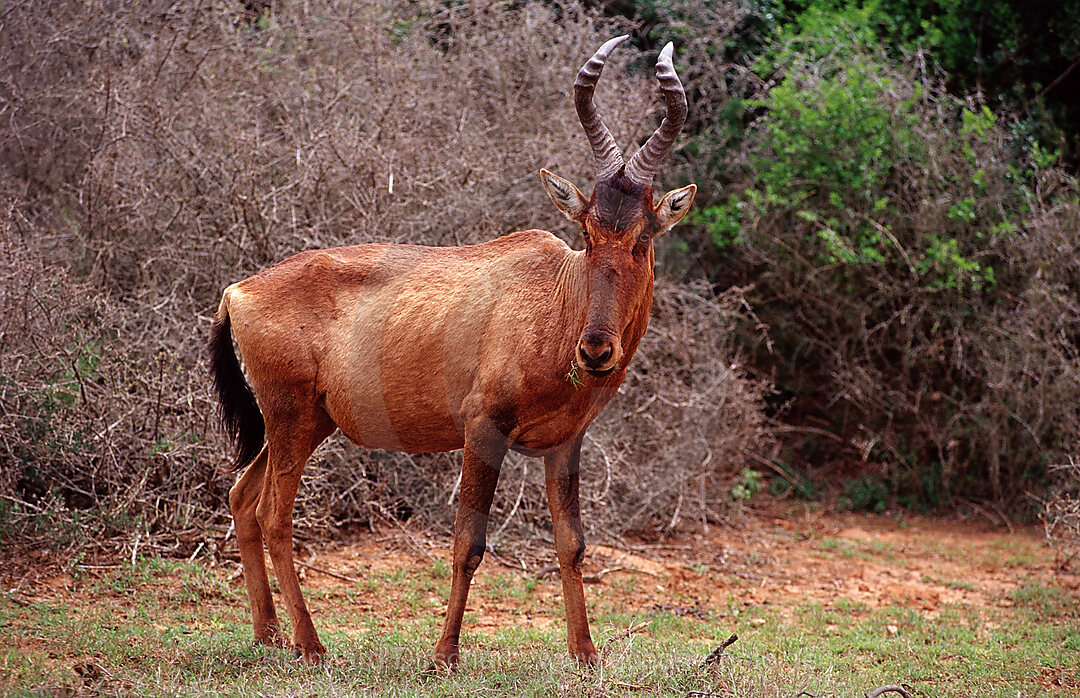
[
  {"x": 566, "y": 197},
  {"x": 672, "y": 208}
]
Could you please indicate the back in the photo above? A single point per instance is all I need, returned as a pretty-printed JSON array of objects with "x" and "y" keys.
[{"x": 390, "y": 336}]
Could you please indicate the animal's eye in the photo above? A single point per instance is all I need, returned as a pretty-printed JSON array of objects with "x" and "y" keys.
[
  {"x": 584, "y": 233},
  {"x": 643, "y": 238}
]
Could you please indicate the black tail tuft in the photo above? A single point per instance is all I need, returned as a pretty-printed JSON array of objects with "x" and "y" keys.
[{"x": 238, "y": 408}]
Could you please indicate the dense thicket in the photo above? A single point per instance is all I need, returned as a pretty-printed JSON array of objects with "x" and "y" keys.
[
  {"x": 911, "y": 245},
  {"x": 884, "y": 236},
  {"x": 153, "y": 154},
  {"x": 1021, "y": 57}
]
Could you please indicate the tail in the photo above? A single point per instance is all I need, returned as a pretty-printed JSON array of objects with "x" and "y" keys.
[{"x": 238, "y": 409}]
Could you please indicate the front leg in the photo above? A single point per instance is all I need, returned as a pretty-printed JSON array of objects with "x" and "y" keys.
[
  {"x": 479, "y": 473},
  {"x": 561, "y": 477}
]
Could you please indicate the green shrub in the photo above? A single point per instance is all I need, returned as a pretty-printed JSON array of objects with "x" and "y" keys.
[
  {"x": 840, "y": 133},
  {"x": 793, "y": 482},
  {"x": 910, "y": 258},
  {"x": 865, "y": 494},
  {"x": 748, "y": 485},
  {"x": 1020, "y": 54}
]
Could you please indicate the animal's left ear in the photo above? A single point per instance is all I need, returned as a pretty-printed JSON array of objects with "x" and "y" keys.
[{"x": 673, "y": 207}]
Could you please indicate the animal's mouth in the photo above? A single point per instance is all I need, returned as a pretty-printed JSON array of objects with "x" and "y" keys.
[{"x": 600, "y": 373}]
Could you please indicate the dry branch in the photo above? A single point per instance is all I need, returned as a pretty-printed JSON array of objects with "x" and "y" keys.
[
  {"x": 888, "y": 689},
  {"x": 717, "y": 653},
  {"x": 624, "y": 634},
  {"x": 141, "y": 178},
  {"x": 327, "y": 572}
]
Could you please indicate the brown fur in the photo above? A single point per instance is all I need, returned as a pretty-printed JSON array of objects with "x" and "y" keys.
[
  {"x": 432, "y": 349},
  {"x": 429, "y": 349}
]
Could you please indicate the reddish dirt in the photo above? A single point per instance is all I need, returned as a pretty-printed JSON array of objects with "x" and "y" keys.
[
  {"x": 861, "y": 561},
  {"x": 858, "y": 560}
]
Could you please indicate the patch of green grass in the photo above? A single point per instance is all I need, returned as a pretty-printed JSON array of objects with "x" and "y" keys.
[
  {"x": 440, "y": 568},
  {"x": 882, "y": 549},
  {"x": 626, "y": 584},
  {"x": 700, "y": 568},
  {"x": 1046, "y": 601},
  {"x": 182, "y": 629},
  {"x": 875, "y": 550},
  {"x": 1008, "y": 551},
  {"x": 937, "y": 549},
  {"x": 506, "y": 587},
  {"x": 848, "y": 606},
  {"x": 962, "y": 653},
  {"x": 839, "y": 546}
]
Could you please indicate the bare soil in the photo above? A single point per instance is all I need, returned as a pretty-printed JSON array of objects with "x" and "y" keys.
[
  {"x": 865, "y": 561},
  {"x": 861, "y": 561}
]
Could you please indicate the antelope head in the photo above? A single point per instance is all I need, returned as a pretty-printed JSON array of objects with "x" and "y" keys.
[{"x": 620, "y": 221}]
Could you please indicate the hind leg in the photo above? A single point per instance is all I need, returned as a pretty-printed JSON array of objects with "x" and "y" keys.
[
  {"x": 243, "y": 499},
  {"x": 291, "y": 440}
]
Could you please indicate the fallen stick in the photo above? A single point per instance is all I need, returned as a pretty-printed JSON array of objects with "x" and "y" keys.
[
  {"x": 595, "y": 578},
  {"x": 587, "y": 578},
  {"x": 625, "y": 634},
  {"x": 545, "y": 571},
  {"x": 328, "y": 573},
  {"x": 888, "y": 689},
  {"x": 715, "y": 655},
  {"x": 632, "y": 686}
]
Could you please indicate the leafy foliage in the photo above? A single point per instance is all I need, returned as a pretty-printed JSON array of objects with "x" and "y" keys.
[
  {"x": 892, "y": 233},
  {"x": 865, "y": 494},
  {"x": 1023, "y": 54}
]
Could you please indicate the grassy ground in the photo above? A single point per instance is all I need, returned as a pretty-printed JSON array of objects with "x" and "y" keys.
[{"x": 170, "y": 627}]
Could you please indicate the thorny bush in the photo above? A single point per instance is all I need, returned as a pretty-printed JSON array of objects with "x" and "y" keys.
[
  {"x": 154, "y": 153},
  {"x": 1061, "y": 517}
]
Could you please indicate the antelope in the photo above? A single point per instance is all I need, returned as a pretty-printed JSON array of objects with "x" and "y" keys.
[{"x": 516, "y": 343}]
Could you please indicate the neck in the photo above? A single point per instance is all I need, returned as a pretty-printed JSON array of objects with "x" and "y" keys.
[
  {"x": 571, "y": 303},
  {"x": 571, "y": 288}
]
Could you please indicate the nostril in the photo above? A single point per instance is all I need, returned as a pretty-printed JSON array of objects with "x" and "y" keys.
[{"x": 595, "y": 360}]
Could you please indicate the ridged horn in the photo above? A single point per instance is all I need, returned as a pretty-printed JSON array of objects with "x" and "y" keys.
[
  {"x": 643, "y": 166},
  {"x": 606, "y": 153}
]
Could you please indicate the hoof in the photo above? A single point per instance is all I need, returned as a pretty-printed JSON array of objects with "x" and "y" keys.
[
  {"x": 446, "y": 660},
  {"x": 587, "y": 656},
  {"x": 311, "y": 654}
]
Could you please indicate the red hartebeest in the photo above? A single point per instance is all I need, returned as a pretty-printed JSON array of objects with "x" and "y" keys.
[{"x": 516, "y": 343}]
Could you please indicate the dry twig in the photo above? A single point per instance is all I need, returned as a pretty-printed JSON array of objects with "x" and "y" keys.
[
  {"x": 624, "y": 634},
  {"x": 888, "y": 689},
  {"x": 328, "y": 573},
  {"x": 717, "y": 653}
]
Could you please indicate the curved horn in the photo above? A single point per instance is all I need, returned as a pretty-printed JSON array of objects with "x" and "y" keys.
[
  {"x": 643, "y": 165},
  {"x": 607, "y": 154}
]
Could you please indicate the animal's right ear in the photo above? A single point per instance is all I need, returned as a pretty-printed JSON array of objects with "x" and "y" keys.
[{"x": 566, "y": 197}]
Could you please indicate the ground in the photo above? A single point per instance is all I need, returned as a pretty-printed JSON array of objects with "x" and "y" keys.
[
  {"x": 822, "y": 604},
  {"x": 867, "y": 561}
]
